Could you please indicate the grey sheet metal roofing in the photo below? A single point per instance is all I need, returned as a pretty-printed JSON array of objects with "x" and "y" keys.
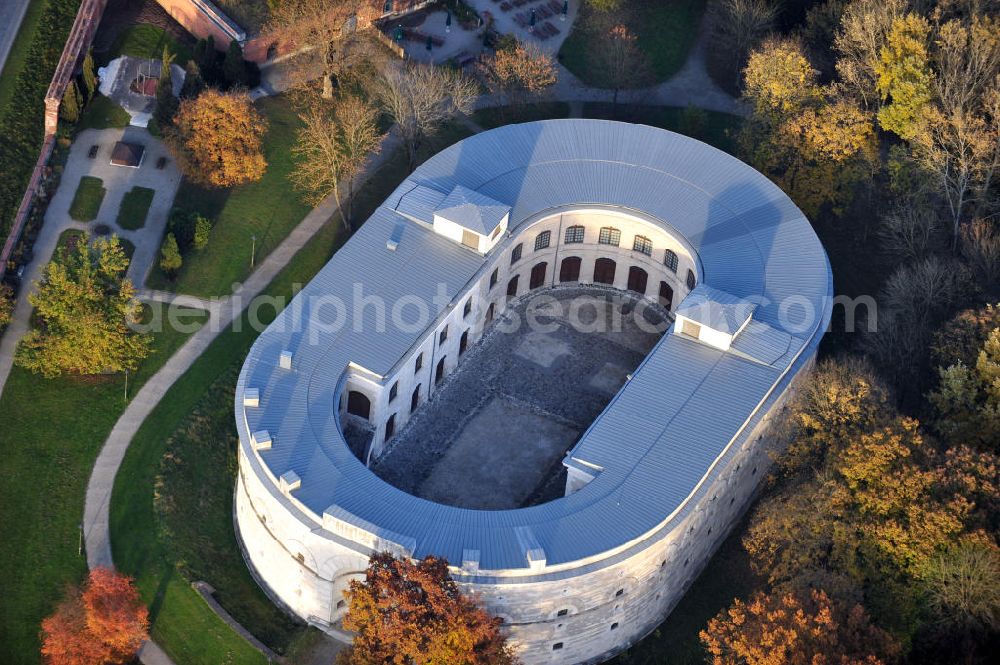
[
  {"x": 472, "y": 210},
  {"x": 686, "y": 406}
]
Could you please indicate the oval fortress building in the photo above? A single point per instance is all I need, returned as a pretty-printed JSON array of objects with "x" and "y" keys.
[{"x": 657, "y": 480}]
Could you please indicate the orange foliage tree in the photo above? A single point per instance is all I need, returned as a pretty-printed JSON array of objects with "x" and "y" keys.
[
  {"x": 406, "y": 612},
  {"x": 105, "y": 623},
  {"x": 795, "y": 630},
  {"x": 218, "y": 139}
]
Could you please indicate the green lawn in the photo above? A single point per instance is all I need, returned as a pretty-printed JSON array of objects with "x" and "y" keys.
[
  {"x": 19, "y": 49},
  {"x": 268, "y": 209},
  {"x": 666, "y": 31},
  {"x": 52, "y": 432},
  {"x": 87, "y": 200},
  {"x": 135, "y": 206},
  {"x": 712, "y": 127},
  {"x": 489, "y": 118},
  {"x": 102, "y": 113},
  {"x": 147, "y": 41}
]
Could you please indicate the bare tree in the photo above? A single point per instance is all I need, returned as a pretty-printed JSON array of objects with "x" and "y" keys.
[
  {"x": 739, "y": 26},
  {"x": 910, "y": 231},
  {"x": 980, "y": 245},
  {"x": 326, "y": 34},
  {"x": 420, "y": 98},
  {"x": 333, "y": 147},
  {"x": 864, "y": 29},
  {"x": 619, "y": 62},
  {"x": 518, "y": 72}
]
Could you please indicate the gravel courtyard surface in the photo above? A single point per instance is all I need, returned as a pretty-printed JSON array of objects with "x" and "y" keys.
[{"x": 493, "y": 436}]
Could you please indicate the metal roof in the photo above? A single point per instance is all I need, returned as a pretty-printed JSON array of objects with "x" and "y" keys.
[
  {"x": 472, "y": 210},
  {"x": 716, "y": 309},
  {"x": 686, "y": 406}
]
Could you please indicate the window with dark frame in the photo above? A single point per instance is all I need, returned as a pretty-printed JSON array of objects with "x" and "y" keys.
[
  {"x": 467, "y": 309},
  {"x": 418, "y": 363},
  {"x": 643, "y": 244},
  {"x": 574, "y": 234},
  {"x": 515, "y": 254},
  {"x": 691, "y": 281},
  {"x": 609, "y": 236},
  {"x": 494, "y": 277},
  {"x": 443, "y": 337},
  {"x": 393, "y": 391},
  {"x": 557, "y": 646},
  {"x": 390, "y": 427},
  {"x": 670, "y": 260},
  {"x": 542, "y": 240}
]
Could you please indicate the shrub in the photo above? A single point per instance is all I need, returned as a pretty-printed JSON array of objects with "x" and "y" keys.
[
  {"x": 170, "y": 255},
  {"x": 202, "y": 229}
]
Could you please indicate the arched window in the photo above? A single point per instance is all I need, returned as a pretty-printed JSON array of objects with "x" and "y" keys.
[
  {"x": 439, "y": 374},
  {"x": 415, "y": 399},
  {"x": 494, "y": 277},
  {"x": 670, "y": 260},
  {"x": 643, "y": 244},
  {"x": 604, "y": 271},
  {"x": 666, "y": 295},
  {"x": 637, "y": 278},
  {"x": 463, "y": 343},
  {"x": 537, "y": 275},
  {"x": 691, "y": 281},
  {"x": 390, "y": 427},
  {"x": 515, "y": 254},
  {"x": 609, "y": 236},
  {"x": 574, "y": 234},
  {"x": 512, "y": 286},
  {"x": 569, "y": 269},
  {"x": 358, "y": 404},
  {"x": 542, "y": 240}
]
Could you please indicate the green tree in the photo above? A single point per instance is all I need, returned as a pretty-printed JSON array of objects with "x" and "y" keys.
[
  {"x": 6, "y": 305},
  {"x": 194, "y": 84},
  {"x": 967, "y": 399},
  {"x": 166, "y": 103},
  {"x": 170, "y": 255},
  {"x": 234, "y": 67},
  {"x": 69, "y": 110},
  {"x": 202, "y": 229},
  {"x": 89, "y": 75},
  {"x": 83, "y": 307},
  {"x": 903, "y": 76}
]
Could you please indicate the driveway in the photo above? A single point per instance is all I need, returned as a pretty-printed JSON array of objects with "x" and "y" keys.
[{"x": 117, "y": 181}]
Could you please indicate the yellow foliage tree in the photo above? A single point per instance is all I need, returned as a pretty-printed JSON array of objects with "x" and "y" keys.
[
  {"x": 903, "y": 76},
  {"x": 218, "y": 139}
]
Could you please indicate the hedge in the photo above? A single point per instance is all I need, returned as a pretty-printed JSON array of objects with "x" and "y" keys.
[{"x": 22, "y": 121}]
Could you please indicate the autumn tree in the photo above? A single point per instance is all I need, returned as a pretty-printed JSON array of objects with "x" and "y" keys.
[
  {"x": 818, "y": 146},
  {"x": 903, "y": 76},
  {"x": 619, "y": 63},
  {"x": 795, "y": 629},
  {"x": 961, "y": 338},
  {"x": 83, "y": 307},
  {"x": 106, "y": 623},
  {"x": 406, "y": 612},
  {"x": 979, "y": 242},
  {"x": 328, "y": 29},
  {"x": 333, "y": 146},
  {"x": 864, "y": 30},
  {"x": 518, "y": 71},
  {"x": 218, "y": 139},
  {"x": 420, "y": 99}
]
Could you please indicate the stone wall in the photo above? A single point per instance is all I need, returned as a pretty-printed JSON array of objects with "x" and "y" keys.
[{"x": 203, "y": 19}]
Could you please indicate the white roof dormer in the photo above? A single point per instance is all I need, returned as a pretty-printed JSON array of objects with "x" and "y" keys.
[
  {"x": 712, "y": 316},
  {"x": 472, "y": 219}
]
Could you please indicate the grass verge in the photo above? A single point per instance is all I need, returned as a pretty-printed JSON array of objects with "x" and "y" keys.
[
  {"x": 102, "y": 113},
  {"x": 53, "y": 430},
  {"x": 87, "y": 199},
  {"x": 666, "y": 31},
  {"x": 147, "y": 41},
  {"x": 135, "y": 206},
  {"x": 18, "y": 54}
]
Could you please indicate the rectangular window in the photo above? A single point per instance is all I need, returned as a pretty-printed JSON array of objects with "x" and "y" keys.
[
  {"x": 557, "y": 646},
  {"x": 515, "y": 254},
  {"x": 542, "y": 240},
  {"x": 393, "y": 391},
  {"x": 643, "y": 244},
  {"x": 443, "y": 336},
  {"x": 670, "y": 260},
  {"x": 574, "y": 234},
  {"x": 470, "y": 239},
  {"x": 494, "y": 277},
  {"x": 691, "y": 329},
  {"x": 610, "y": 236},
  {"x": 418, "y": 363}
]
